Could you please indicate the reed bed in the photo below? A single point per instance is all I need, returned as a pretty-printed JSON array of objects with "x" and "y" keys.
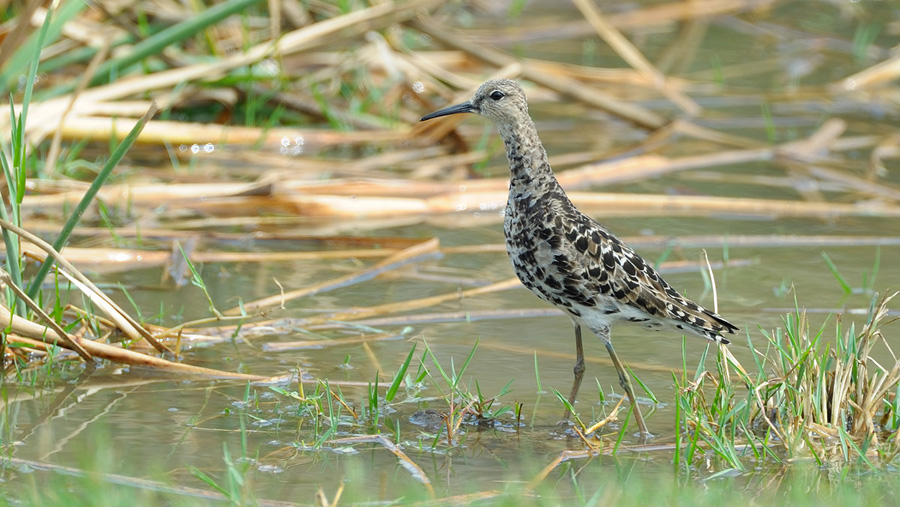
[{"x": 156, "y": 136}]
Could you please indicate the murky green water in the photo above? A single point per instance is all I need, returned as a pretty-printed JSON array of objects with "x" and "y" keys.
[{"x": 150, "y": 425}]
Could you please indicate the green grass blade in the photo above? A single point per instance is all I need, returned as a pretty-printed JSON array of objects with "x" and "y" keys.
[
  {"x": 642, "y": 384},
  {"x": 398, "y": 378},
  {"x": 837, "y": 275},
  {"x": 98, "y": 182},
  {"x": 156, "y": 43},
  {"x": 35, "y": 42},
  {"x": 468, "y": 360},
  {"x": 440, "y": 368},
  {"x": 15, "y": 174},
  {"x": 209, "y": 481}
]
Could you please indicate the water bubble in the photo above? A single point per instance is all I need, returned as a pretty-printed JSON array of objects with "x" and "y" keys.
[
  {"x": 182, "y": 147},
  {"x": 462, "y": 188},
  {"x": 209, "y": 147},
  {"x": 292, "y": 147},
  {"x": 269, "y": 67},
  {"x": 418, "y": 87},
  {"x": 195, "y": 149},
  {"x": 850, "y": 84},
  {"x": 461, "y": 207}
]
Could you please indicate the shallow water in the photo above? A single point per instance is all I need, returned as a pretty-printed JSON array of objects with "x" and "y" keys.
[{"x": 151, "y": 425}]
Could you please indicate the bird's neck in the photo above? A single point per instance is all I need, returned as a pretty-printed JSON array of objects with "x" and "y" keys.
[{"x": 530, "y": 171}]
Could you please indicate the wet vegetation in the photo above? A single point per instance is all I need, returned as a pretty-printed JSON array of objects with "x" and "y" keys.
[{"x": 238, "y": 268}]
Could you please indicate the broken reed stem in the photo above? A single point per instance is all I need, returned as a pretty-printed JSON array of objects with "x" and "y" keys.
[
  {"x": 98, "y": 350},
  {"x": 630, "y": 54},
  {"x": 130, "y": 326},
  {"x": 60, "y": 332},
  {"x": 416, "y": 253}
]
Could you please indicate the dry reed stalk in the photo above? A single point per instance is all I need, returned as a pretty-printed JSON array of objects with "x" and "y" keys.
[
  {"x": 818, "y": 145},
  {"x": 151, "y": 194},
  {"x": 440, "y": 317},
  {"x": 167, "y": 486},
  {"x": 465, "y": 498},
  {"x": 36, "y": 308},
  {"x": 159, "y": 131},
  {"x": 272, "y": 326},
  {"x": 855, "y": 183},
  {"x": 653, "y": 205},
  {"x": 33, "y": 345},
  {"x": 886, "y": 148},
  {"x": 682, "y": 53},
  {"x": 303, "y": 39},
  {"x": 637, "y": 19},
  {"x": 562, "y": 85},
  {"x": 35, "y": 331},
  {"x": 617, "y": 171},
  {"x": 876, "y": 75},
  {"x": 738, "y": 71},
  {"x": 611, "y": 205},
  {"x": 106, "y": 259},
  {"x": 749, "y": 180},
  {"x": 563, "y": 457},
  {"x": 715, "y": 136},
  {"x": 425, "y": 250},
  {"x": 762, "y": 240},
  {"x": 414, "y": 304},
  {"x": 675, "y": 11},
  {"x": 267, "y": 257},
  {"x": 83, "y": 82},
  {"x": 118, "y": 259},
  {"x": 610, "y": 76},
  {"x": 653, "y": 166},
  {"x": 612, "y": 417},
  {"x": 633, "y": 56},
  {"x": 531, "y": 351},
  {"x": 393, "y": 187},
  {"x": 408, "y": 464},
  {"x": 125, "y": 322},
  {"x": 435, "y": 65},
  {"x": 311, "y": 206},
  {"x": 331, "y": 342}
]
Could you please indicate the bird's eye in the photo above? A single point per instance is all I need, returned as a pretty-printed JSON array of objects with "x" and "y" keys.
[{"x": 497, "y": 95}]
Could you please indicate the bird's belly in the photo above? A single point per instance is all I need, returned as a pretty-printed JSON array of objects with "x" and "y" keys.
[{"x": 609, "y": 311}]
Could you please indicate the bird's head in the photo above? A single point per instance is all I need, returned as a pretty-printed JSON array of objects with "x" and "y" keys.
[{"x": 501, "y": 100}]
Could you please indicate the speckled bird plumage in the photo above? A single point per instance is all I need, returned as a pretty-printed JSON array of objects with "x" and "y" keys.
[{"x": 567, "y": 258}]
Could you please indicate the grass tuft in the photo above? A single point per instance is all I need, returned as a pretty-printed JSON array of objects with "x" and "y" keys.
[{"x": 832, "y": 403}]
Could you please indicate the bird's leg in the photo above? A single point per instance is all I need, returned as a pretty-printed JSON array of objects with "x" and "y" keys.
[
  {"x": 625, "y": 382},
  {"x": 579, "y": 371}
]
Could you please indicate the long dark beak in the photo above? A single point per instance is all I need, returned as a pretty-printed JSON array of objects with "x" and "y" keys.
[{"x": 465, "y": 107}]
